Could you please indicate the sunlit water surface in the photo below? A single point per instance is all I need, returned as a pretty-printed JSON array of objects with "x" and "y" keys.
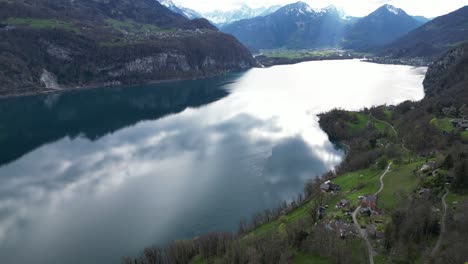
[{"x": 90, "y": 176}]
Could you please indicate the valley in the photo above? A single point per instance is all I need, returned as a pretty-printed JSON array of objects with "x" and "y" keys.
[
  {"x": 225, "y": 131},
  {"x": 268, "y": 58}
]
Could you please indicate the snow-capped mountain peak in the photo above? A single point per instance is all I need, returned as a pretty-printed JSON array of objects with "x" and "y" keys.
[
  {"x": 186, "y": 12},
  {"x": 393, "y": 10},
  {"x": 242, "y": 12},
  {"x": 299, "y": 8},
  {"x": 167, "y": 3}
]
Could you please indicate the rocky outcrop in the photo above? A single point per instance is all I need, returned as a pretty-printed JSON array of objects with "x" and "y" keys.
[{"x": 49, "y": 80}]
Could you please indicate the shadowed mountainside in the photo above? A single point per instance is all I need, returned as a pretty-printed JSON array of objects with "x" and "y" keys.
[
  {"x": 49, "y": 45},
  {"x": 433, "y": 38}
]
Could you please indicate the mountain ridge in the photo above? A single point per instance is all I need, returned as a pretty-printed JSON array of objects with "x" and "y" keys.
[
  {"x": 221, "y": 18},
  {"x": 51, "y": 44},
  {"x": 380, "y": 27},
  {"x": 297, "y": 25},
  {"x": 433, "y": 38}
]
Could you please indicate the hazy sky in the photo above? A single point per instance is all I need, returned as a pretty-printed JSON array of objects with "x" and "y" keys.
[{"x": 428, "y": 8}]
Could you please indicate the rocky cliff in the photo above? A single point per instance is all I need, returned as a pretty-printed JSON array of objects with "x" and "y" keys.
[
  {"x": 448, "y": 75},
  {"x": 52, "y": 44}
]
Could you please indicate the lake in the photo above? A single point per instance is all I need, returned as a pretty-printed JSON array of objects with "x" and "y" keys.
[{"x": 90, "y": 176}]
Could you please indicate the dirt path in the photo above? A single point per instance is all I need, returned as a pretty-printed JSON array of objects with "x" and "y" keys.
[
  {"x": 394, "y": 131},
  {"x": 362, "y": 232},
  {"x": 385, "y": 122},
  {"x": 442, "y": 226}
]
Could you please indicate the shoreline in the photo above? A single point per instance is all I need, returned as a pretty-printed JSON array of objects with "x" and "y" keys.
[
  {"x": 45, "y": 91},
  {"x": 268, "y": 62},
  {"x": 271, "y": 63}
]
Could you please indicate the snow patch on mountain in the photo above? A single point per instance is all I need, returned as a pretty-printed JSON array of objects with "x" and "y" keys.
[
  {"x": 186, "y": 12},
  {"x": 393, "y": 9},
  {"x": 243, "y": 12}
]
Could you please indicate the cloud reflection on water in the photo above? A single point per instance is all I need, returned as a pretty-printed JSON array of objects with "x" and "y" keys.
[{"x": 82, "y": 201}]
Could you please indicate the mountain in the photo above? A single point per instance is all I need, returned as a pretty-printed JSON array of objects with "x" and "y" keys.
[
  {"x": 381, "y": 27},
  {"x": 186, "y": 12},
  {"x": 433, "y": 38},
  {"x": 243, "y": 12},
  {"x": 56, "y": 44},
  {"x": 449, "y": 72},
  {"x": 422, "y": 19},
  {"x": 292, "y": 26}
]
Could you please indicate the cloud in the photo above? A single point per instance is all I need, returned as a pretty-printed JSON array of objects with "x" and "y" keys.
[{"x": 431, "y": 8}]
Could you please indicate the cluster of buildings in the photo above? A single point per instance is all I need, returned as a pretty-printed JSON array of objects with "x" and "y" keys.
[
  {"x": 329, "y": 187},
  {"x": 460, "y": 124},
  {"x": 368, "y": 205},
  {"x": 429, "y": 166},
  {"x": 6, "y": 27}
]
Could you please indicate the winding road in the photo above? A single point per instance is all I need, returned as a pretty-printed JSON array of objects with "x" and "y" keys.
[
  {"x": 361, "y": 231},
  {"x": 442, "y": 226}
]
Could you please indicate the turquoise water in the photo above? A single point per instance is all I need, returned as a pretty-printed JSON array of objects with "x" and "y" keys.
[{"x": 90, "y": 176}]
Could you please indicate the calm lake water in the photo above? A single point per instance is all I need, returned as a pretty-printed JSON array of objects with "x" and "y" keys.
[{"x": 92, "y": 175}]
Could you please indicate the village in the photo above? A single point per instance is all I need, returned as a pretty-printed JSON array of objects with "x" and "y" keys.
[{"x": 361, "y": 215}]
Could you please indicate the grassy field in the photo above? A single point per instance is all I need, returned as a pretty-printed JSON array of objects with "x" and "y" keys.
[
  {"x": 197, "y": 260},
  {"x": 443, "y": 124},
  {"x": 362, "y": 121},
  {"x": 454, "y": 198},
  {"x": 464, "y": 135},
  {"x": 355, "y": 184},
  {"x": 301, "y": 258},
  {"x": 297, "y": 214},
  {"x": 380, "y": 259},
  {"x": 133, "y": 27},
  {"x": 388, "y": 115},
  {"x": 40, "y": 23},
  {"x": 399, "y": 182}
]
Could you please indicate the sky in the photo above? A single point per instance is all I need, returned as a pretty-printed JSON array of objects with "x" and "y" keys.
[{"x": 428, "y": 8}]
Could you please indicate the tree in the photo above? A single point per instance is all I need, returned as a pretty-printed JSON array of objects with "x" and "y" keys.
[
  {"x": 460, "y": 182},
  {"x": 448, "y": 162}
]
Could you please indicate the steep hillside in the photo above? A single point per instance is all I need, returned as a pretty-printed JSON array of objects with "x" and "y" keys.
[
  {"x": 292, "y": 26},
  {"x": 54, "y": 44},
  {"x": 433, "y": 38},
  {"x": 380, "y": 27},
  {"x": 448, "y": 76}
]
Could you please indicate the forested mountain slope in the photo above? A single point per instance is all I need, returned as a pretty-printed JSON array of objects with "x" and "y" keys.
[{"x": 55, "y": 44}]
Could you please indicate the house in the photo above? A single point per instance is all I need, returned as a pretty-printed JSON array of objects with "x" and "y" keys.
[
  {"x": 463, "y": 126},
  {"x": 342, "y": 203},
  {"x": 456, "y": 121},
  {"x": 329, "y": 187},
  {"x": 6, "y": 27},
  {"x": 429, "y": 166},
  {"x": 342, "y": 228},
  {"x": 369, "y": 202},
  {"x": 460, "y": 123},
  {"x": 425, "y": 193}
]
